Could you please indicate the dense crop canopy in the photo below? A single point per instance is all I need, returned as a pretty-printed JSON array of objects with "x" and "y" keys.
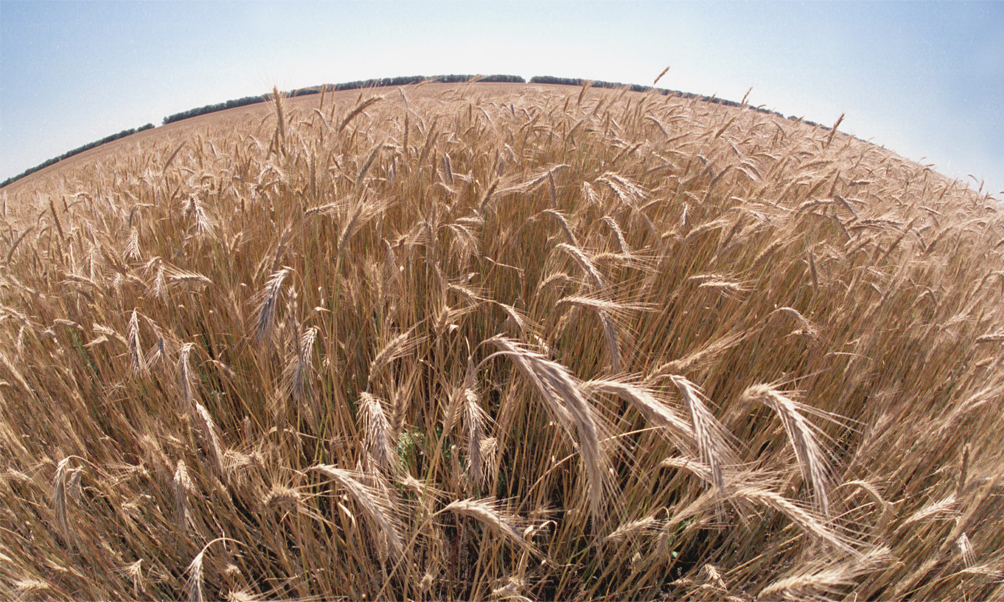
[{"x": 464, "y": 341}]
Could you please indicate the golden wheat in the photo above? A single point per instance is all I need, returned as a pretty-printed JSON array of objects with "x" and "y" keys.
[{"x": 481, "y": 341}]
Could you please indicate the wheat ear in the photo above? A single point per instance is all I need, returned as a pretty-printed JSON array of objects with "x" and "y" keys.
[
  {"x": 269, "y": 302},
  {"x": 671, "y": 423},
  {"x": 822, "y": 582},
  {"x": 476, "y": 422},
  {"x": 376, "y": 504},
  {"x": 195, "y": 573},
  {"x": 584, "y": 263},
  {"x": 810, "y": 524},
  {"x": 67, "y": 480},
  {"x": 183, "y": 486},
  {"x": 812, "y": 459},
  {"x": 489, "y": 513},
  {"x": 135, "y": 347},
  {"x": 570, "y": 408},
  {"x": 210, "y": 436},
  {"x": 185, "y": 375},
  {"x": 359, "y": 108},
  {"x": 709, "y": 435},
  {"x": 378, "y": 436}
]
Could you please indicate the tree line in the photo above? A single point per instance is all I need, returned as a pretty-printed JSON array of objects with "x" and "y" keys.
[
  {"x": 368, "y": 83},
  {"x": 76, "y": 151},
  {"x": 565, "y": 81}
]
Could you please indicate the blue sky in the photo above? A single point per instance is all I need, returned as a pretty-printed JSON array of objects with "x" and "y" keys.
[{"x": 923, "y": 79}]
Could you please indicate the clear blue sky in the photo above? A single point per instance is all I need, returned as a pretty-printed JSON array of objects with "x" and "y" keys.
[{"x": 923, "y": 79}]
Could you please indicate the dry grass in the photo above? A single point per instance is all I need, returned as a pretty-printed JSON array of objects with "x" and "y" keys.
[{"x": 332, "y": 334}]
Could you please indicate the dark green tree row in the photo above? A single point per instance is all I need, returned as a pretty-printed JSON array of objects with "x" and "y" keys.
[
  {"x": 76, "y": 151},
  {"x": 368, "y": 83},
  {"x": 221, "y": 106},
  {"x": 565, "y": 81},
  {"x": 406, "y": 80}
]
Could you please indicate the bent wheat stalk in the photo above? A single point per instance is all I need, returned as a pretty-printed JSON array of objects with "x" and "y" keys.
[
  {"x": 564, "y": 400},
  {"x": 812, "y": 459},
  {"x": 382, "y": 512},
  {"x": 709, "y": 435}
]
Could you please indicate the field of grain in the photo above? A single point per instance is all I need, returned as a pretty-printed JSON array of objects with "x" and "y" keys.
[{"x": 491, "y": 341}]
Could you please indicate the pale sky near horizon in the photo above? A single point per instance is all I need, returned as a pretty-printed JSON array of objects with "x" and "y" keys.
[{"x": 925, "y": 80}]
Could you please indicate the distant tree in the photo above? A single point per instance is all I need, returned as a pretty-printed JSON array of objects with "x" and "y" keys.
[{"x": 73, "y": 152}]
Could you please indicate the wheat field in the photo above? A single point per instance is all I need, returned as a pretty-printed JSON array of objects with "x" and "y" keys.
[{"x": 494, "y": 341}]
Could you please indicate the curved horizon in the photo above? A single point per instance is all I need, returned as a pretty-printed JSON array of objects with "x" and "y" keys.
[
  {"x": 367, "y": 84},
  {"x": 919, "y": 79}
]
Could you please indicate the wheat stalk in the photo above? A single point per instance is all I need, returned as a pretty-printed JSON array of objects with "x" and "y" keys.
[
  {"x": 812, "y": 458},
  {"x": 584, "y": 263},
  {"x": 709, "y": 435},
  {"x": 359, "y": 108},
  {"x": 490, "y": 513},
  {"x": 376, "y": 505},
  {"x": 672, "y": 424},
  {"x": 562, "y": 397}
]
